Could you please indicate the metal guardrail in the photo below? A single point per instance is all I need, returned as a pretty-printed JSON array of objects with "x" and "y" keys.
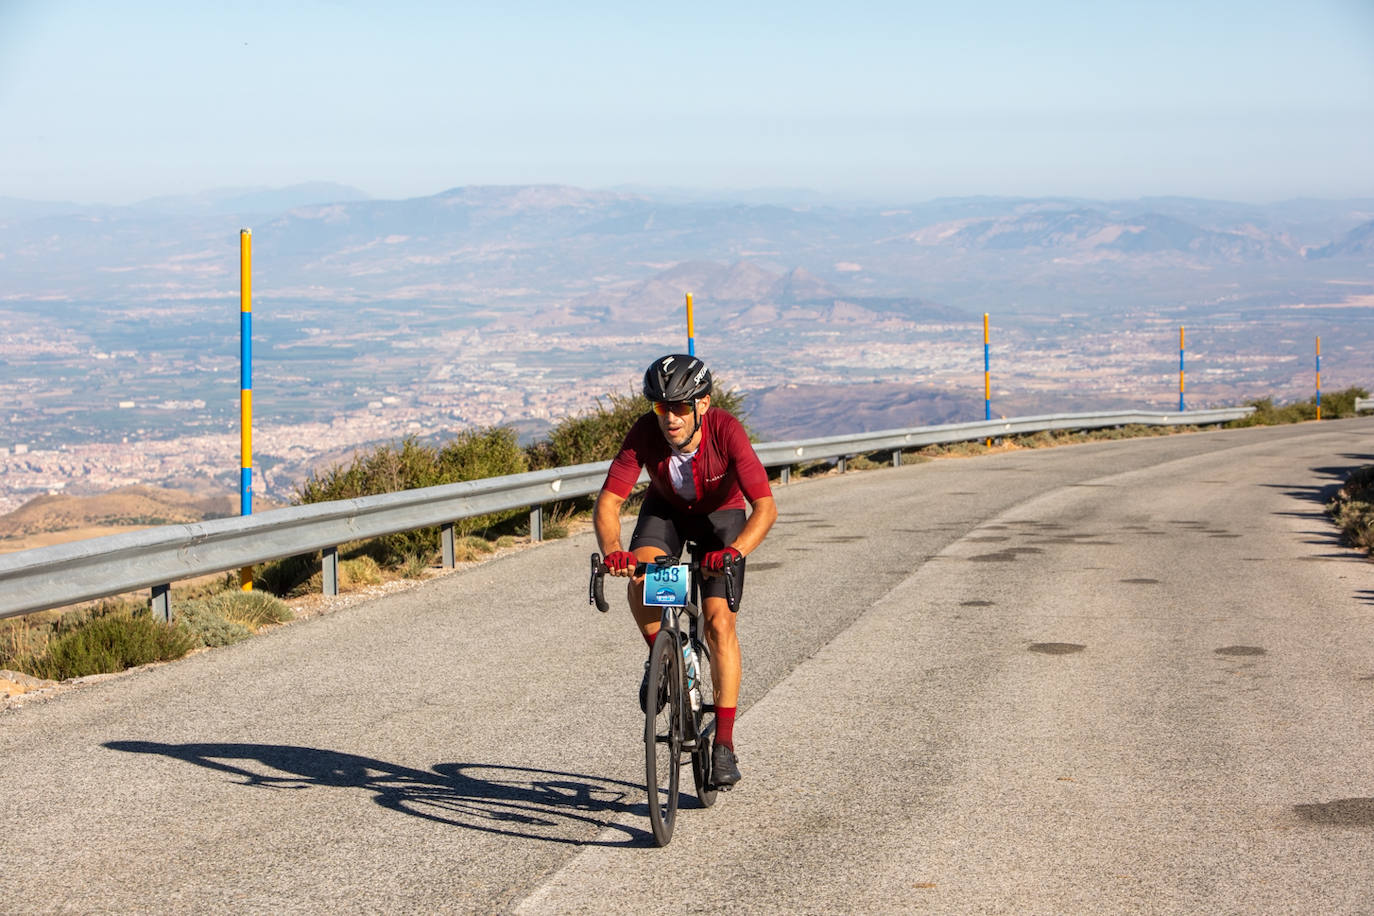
[
  {"x": 1364, "y": 404},
  {"x": 64, "y": 574},
  {"x": 775, "y": 454}
]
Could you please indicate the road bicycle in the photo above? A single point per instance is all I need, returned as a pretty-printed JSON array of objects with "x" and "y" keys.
[{"x": 677, "y": 724}]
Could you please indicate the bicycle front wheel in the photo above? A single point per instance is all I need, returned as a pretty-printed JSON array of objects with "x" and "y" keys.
[
  {"x": 663, "y": 723},
  {"x": 701, "y": 755}
]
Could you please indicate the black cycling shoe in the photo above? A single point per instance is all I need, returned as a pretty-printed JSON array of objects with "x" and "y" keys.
[
  {"x": 724, "y": 767},
  {"x": 644, "y": 692}
]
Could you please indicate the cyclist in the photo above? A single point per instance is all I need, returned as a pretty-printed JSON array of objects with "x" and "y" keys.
[{"x": 702, "y": 470}]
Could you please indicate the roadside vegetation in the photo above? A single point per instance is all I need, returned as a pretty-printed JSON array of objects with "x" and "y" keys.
[
  {"x": 1353, "y": 508},
  {"x": 1336, "y": 405},
  {"x": 114, "y": 635}
]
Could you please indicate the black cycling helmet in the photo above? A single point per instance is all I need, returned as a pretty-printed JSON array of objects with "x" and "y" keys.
[{"x": 677, "y": 378}]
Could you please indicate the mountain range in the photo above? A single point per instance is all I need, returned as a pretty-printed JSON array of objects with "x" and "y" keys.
[{"x": 607, "y": 254}]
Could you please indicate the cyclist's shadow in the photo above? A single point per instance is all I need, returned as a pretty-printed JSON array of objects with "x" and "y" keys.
[{"x": 508, "y": 800}]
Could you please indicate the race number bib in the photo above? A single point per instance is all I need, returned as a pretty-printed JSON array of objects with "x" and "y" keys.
[{"x": 666, "y": 586}]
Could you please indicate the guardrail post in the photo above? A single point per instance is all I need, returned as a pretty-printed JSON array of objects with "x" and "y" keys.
[
  {"x": 161, "y": 603},
  {"x": 329, "y": 570},
  {"x": 896, "y": 457},
  {"x": 537, "y": 523},
  {"x": 446, "y": 542},
  {"x": 786, "y": 476},
  {"x": 842, "y": 463}
]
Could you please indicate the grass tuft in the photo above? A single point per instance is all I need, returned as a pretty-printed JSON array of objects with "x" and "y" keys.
[
  {"x": 251, "y": 610},
  {"x": 208, "y": 627},
  {"x": 414, "y": 566}
]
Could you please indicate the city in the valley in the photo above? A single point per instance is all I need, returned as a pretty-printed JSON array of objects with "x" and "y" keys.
[{"x": 119, "y": 364}]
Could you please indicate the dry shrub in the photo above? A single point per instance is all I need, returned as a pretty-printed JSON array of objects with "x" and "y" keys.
[{"x": 1353, "y": 508}]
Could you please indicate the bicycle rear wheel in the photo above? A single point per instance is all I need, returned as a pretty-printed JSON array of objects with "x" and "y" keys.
[{"x": 663, "y": 736}]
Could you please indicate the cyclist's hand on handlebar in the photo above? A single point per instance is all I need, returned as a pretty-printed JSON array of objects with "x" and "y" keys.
[
  {"x": 621, "y": 563},
  {"x": 715, "y": 560}
]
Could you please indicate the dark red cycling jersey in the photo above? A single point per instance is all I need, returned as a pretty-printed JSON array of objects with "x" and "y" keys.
[{"x": 726, "y": 470}]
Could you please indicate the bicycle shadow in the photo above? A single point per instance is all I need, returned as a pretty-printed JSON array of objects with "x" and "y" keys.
[{"x": 513, "y": 801}]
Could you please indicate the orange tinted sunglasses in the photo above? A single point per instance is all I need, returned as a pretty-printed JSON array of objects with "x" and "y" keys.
[{"x": 680, "y": 408}]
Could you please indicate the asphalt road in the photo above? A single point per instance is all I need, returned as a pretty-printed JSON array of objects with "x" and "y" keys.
[{"x": 1117, "y": 677}]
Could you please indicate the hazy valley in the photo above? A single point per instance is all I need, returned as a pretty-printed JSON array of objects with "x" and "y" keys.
[{"x": 376, "y": 319}]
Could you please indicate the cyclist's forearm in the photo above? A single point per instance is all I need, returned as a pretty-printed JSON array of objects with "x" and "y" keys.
[
  {"x": 764, "y": 514},
  {"x": 606, "y": 521}
]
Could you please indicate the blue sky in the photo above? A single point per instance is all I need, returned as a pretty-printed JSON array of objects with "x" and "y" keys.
[{"x": 1252, "y": 100}]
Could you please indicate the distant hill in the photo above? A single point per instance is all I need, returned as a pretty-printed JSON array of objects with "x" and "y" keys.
[
  {"x": 233, "y": 201},
  {"x": 745, "y": 294},
  {"x": 1357, "y": 243},
  {"x": 1093, "y": 232},
  {"x": 15, "y": 208},
  {"x": 127, "y": 506}
]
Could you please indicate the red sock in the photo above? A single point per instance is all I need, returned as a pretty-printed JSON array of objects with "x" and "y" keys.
[
  {"x": 649, "y": 639},
  {"x": 725, "y": 726}
]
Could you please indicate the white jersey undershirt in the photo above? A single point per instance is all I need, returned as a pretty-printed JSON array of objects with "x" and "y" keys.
[{"x": 680, "y": 470}]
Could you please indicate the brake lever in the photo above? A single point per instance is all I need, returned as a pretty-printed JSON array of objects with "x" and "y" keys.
[
  {"x": 730, "y": 584},
  {"x": 596, "y": 587}
]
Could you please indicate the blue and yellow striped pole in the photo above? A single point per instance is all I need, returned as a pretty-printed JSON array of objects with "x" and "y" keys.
[
  {"x": 1180, "y": 369},
  {"x": 987, "y": 373},
  {"x": 1319, "y": 378},
  {"x": 987, "y": 376},
  {"x": 246, "y": 387},
  {"x": 691, "y": 329}
]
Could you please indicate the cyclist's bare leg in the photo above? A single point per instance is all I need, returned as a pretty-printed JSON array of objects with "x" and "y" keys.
[
  {"x": 725, "y": 658},
  {"x": 647, "y": 618}
]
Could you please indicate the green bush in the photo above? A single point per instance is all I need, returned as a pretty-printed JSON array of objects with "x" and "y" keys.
[
  {"x": 111, "y": 643},
  {"x": 1336, "y": 405},
  {"x": 597, "y": 434},
  {"x": 472, "y": 455},
  {"x": 1340, "y": 404},
  {"x": 25, "y": 638},
  {"x": 476, "y": 455},
  {"x": 1268, "y": 414}
]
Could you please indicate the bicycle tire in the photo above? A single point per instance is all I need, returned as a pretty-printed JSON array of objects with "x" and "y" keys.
[
  {"x": 663, "y": 736},
  {"x": 701, "y": 756},
  {"x": 701, "y": 762}
]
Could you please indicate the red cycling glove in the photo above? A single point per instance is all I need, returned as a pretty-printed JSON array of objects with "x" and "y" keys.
[
  {"x": 620, "y": 560},
  {"x": 715, "y": 560}
]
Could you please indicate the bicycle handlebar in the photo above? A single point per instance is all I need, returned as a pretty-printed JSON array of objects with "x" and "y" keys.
[{"x": 596, "y": 593}]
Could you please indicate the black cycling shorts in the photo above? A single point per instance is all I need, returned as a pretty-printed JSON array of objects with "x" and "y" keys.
[{"x": 660, "y": 525}]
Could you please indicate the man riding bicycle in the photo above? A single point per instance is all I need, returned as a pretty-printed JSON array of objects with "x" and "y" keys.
[{"x": 702, "y": 470}]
